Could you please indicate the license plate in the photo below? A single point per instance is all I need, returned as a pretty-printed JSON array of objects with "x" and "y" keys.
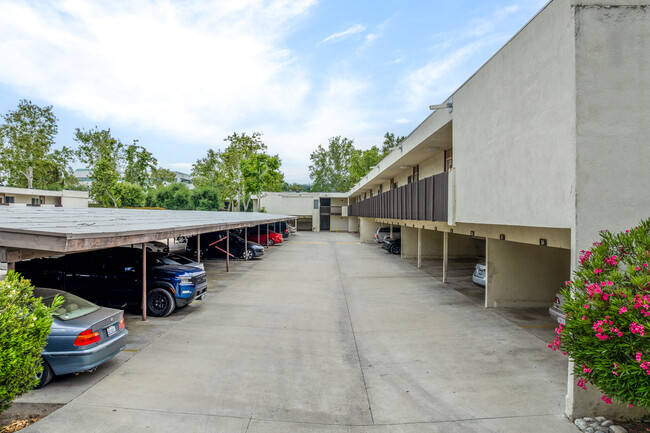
[{"x": 111, "y": 330}]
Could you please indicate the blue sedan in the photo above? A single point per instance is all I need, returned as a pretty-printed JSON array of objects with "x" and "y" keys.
[{"x": 83, "y": 335}]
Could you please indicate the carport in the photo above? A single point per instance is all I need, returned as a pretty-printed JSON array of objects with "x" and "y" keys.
[{"x": 28, "y": 233}]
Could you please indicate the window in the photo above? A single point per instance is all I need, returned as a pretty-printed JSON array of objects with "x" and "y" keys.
[
  {"x": 379, "y": 190},
  {"x": 393, "y": 184},
  {"x": 315, "y": 203},
  {"x": 416, "y": 173},
  {"x": 410, "y": 179},
  {"x": 35, "y": 202},
  {"x": 9, "y": 199}
]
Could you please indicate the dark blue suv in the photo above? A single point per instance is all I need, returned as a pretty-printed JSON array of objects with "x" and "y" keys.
[{"x": 113, "y": 277}]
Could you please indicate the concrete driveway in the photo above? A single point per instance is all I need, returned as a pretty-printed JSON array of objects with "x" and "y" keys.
[{"x": 329, "y": 335}]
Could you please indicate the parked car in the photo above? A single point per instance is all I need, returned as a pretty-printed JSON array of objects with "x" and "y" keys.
[
  {"x": 383, "y": 232},
  {"x": 392, "y": 245},
  {"x": 113, "y": 278},
  {"x": 556, "y": 310},
  {"x": 281, "y": 228},
  {"x": 153, "y": 246},
  {"x": 173, "y": 259},
  {"x": 268, "y": 238},
  {"x": 83, "y": 335},
  {"x": 480, "y": 275},
  {"x": 213, "y": 245}
]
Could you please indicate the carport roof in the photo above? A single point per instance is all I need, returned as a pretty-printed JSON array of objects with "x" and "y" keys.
[{"x": 27, "y": 232}]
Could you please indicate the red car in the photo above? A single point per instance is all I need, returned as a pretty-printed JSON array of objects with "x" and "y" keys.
[{"x": 271, "y": 238}]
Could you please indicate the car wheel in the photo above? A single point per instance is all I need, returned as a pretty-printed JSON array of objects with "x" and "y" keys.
[
  {"x": 160, "y": 303},
  {"x": 269, "y": 241},
  {"x": 395, "y": 249},
  {"x": 251, "y": 254},
  {"x": 45, "y": 376}
]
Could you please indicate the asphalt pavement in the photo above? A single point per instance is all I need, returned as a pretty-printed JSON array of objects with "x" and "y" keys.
[{"x": 324, "y": 334}]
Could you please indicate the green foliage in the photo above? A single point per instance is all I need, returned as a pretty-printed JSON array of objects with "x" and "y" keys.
[
  {"x": 339, "y": 167},
  {"x": 390, "y": 142},
  {"x": 103, "y": 154},
  {"x": 26, "y": 138},
  {"x": 177, "y": 196},
  {"x": 240, "y": 171},
  {"x": 160, "y": 176},
  {"x": 24, "y": 326},
  {"x": 608, "y": 317},
  {"x": 362, "y": 162},
  {"x": 205, "y": 199},
  {"x": 296, "y": 187},
  {"x": 330, "y": 167},
  {"x": 130, "y": 195},
  {"x": 140, "y": 164}
]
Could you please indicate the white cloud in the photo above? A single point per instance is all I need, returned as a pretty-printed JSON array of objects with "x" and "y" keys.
[
  {"x": 181, "y": 68},
  {"x": 402, "y": 120},
  {"x": 357, "y": 28}
]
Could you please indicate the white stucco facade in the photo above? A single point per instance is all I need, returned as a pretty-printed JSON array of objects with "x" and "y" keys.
[{"x": 40, "y": 197}]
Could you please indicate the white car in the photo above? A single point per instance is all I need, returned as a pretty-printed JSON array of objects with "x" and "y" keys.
[
  {"x": 479, "y": 277},
  {"x": 384, "y": 232},
  {"x": 556, "y": 310}
]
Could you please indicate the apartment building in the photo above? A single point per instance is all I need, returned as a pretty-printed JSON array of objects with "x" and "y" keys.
[
  {"x": 10, "y": 196},
  {"x": 315, "y": 211},
  {"x": 540, "y": 149}
]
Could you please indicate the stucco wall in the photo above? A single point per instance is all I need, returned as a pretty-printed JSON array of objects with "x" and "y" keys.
[
  {"x": 522, "y": 275},
  {"x": 514, "y": 129},
  {"x": 288, "y": 205},
  {"x": 613, "y": 127},
  {"x": 612, "y": 130}
]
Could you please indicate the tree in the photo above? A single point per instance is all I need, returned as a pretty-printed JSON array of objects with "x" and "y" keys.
[
  {"x": 295, "y": 187},
  {"x": 362, "y": 162},
  {"x": 206, "y": 170},
  {"x": 390, "y": 142},
  {"x": 103, "y": 154},
  {"x": 205, "y": 199},
  {"x": 160, "y": 176},
  {"x": 130, "y": 195},
  {"x": 330, "y": 167},
  {"x": 241, "y": 147},
  {"x": 26, "y": 138},
  {"x": 261, "y": 172},
  {"x": 139, "y": 165}
]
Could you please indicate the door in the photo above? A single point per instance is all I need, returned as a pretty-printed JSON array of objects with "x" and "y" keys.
[{"x": 324, "y": 223}]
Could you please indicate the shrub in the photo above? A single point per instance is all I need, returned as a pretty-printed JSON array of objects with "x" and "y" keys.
[
  {"x": 24, "y": 326},
  {"x": 607, "y": 308}
]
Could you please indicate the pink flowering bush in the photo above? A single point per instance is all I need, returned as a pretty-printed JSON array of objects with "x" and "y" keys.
[{"x": 607, "y": 308}]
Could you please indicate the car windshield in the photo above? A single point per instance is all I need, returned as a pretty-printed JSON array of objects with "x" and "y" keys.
[{"x": 72, "y": 307}]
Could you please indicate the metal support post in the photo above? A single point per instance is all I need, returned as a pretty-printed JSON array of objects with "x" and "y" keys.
[
  {"x": 198, "y": 248},
  {"x": 246, "y": 243},
  {"x": 144, "y": 281},
  {"x": 227, "y": 250},
  {"x": 445, "y": 257},
  {"x": 419, "y": 247}
]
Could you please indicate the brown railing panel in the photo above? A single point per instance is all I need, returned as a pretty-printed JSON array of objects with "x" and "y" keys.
[{"x": 425, "y": 200}]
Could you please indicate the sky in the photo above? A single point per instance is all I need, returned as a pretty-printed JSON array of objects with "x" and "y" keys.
[{"x": 180, "y": 76}]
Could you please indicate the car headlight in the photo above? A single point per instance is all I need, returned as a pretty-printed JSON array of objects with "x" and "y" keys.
[{"x": 186, "y": 280}]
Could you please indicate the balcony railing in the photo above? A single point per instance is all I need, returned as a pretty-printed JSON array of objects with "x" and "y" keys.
[{"x": 424, "y": 200}]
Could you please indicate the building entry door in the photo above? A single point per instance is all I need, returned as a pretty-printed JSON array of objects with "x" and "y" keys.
[{"x": 324, "y": 223}]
